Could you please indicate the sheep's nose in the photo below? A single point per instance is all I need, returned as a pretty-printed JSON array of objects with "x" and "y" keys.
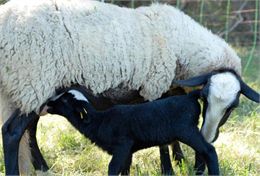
[{"x": 44, "y": 110}]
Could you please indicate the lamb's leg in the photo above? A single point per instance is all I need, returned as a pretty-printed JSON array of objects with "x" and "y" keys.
[
  {"x": 166, "y": 166},
  {"x": 119, "y": 158},
  {"x": 126, "y": 169},
  {"x": 199, "y": 164},
  {"x": 176, "y": 148},
  {"x": 211, "y": 159},
  {"x": 37, "y": 159},
  {"x": 12, "y": 132},
  {"x": 203, "y": 149},
  {"x": 177, "y": 152}
]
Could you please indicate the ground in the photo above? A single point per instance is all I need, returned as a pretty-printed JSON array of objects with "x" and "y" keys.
[{"x": 238, "y": 146}]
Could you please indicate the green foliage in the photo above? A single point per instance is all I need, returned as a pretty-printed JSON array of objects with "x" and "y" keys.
[
  {"x": 2, "y": 169},
  {"x": 3, "y": 1}
]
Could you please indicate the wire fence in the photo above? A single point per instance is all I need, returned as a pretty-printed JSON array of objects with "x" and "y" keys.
[{"x": 237, "y": 21}]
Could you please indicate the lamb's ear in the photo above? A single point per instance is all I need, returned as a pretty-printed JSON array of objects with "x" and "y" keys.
[
  {"x": 195, "y": 81},
  {"x": 81, "y": 107},
  {"x": 249, "y": 92}
]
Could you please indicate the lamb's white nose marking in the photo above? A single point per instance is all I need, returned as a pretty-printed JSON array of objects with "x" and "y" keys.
[{"x": 78, "y": 95}]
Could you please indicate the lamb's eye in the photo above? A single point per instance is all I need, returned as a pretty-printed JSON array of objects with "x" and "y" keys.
[{"x": 64, "y": 100}]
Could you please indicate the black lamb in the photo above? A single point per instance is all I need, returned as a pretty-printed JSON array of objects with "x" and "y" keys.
[{"x": 125, "y": 129}]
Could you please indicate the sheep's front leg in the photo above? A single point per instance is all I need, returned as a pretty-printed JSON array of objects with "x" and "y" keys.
[
  {"x": 12, "y": 132},
  {"x": 120, "y": 156},
  {"x": 166, "y": 166},
  {"x": 37, "y": 159}
]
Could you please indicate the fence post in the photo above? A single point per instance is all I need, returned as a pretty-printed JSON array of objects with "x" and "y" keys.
[
  {"x": 227, "y": 22},
  {"x": 178, "y": 3},
  {"x": 132, "y": 3},
  {"x": 250, "y": 58},
  {"x": 201, "y": 10}
]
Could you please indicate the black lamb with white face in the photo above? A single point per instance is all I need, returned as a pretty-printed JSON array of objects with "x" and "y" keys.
[{"x": 125, "y": 129}]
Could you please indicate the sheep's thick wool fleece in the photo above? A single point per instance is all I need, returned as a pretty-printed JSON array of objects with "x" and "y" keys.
[{"x": 46, "y": 44}]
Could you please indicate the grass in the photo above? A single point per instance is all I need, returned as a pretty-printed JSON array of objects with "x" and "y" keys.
[{"x": 69, "y": 153}]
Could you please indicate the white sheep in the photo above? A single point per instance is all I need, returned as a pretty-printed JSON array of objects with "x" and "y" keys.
[{"x": 49, "y": 44}]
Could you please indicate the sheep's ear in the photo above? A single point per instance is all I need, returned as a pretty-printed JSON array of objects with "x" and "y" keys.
[
  {"x": 195, "y": 81},
  {"x": 249, "y": 92}
]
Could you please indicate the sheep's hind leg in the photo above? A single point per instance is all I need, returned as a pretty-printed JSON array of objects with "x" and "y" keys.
[
  {"x": 37, "y": 159},
  {"x": 12, "y": 132},
  {"x": 166, "y": 166}
]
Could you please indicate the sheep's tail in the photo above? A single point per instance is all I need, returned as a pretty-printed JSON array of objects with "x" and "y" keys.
[{"x": 24, "y": 155}]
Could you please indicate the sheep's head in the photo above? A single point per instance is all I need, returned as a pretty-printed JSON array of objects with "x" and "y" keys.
[{"x": 220, "y": 95}]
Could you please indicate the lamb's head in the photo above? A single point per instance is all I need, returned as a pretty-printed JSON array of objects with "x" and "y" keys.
[
  {"x": 69, "y": 103},
  {"x": 220, "y": 94}
]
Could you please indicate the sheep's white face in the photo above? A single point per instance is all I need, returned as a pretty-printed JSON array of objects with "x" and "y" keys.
[
  {"x": 223, "y": 91},
  {"x": 220, "y": 94}
]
